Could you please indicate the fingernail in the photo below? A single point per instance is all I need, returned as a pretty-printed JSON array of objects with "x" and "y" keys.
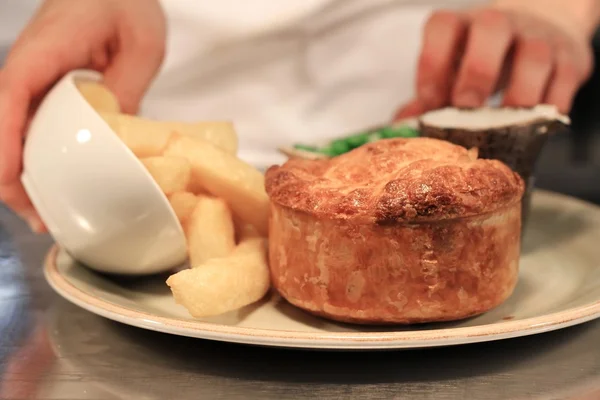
[{"x": 468, "y": 99}]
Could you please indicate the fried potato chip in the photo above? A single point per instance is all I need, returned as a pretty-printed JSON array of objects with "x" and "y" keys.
[
  {"x": 196, "y": 187},
  {"x": 220, "y": 133},
  {"x": 99, "y": 96},
  {"x": 244, "y": 230},
  {"x": 171, "y": 173},
  {"x": 146, "y": 137},
  {"x": 227, "y": 177},
  {"x": 183, "y": 203},
  {"x": 224, "y": 284},
  {"x": 210, "y": 230}
]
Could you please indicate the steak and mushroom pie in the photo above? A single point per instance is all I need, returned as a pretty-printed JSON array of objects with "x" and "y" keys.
[{"x": 397, "y": 231}]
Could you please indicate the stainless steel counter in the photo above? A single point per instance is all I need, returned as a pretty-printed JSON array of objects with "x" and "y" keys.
[{"x": 50, "y": 349}]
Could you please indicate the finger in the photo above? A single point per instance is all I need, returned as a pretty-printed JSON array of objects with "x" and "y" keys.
[
  {"x": 23, "y": 80},
  {"x": 135, "y": 64},
  {"x": 14, "y": 195},
  {"x": 442, "y": 38},
  {"x": 564, "y": 82},
  {"x": 99, "y": 58},
  {"x": 531, "y": 69},
  {"x": 489, "y": 40},
  {"x": 412, "y": 109},
  {"x": 14, "y": 103}
]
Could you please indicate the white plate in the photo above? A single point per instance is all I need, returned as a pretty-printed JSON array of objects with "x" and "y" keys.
[{"x": 559, "y": 286}]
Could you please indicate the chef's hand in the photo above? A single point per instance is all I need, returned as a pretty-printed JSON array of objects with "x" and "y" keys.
[
  {"x": 537, "y": 51},
  {"x": 123, "y": 39}
]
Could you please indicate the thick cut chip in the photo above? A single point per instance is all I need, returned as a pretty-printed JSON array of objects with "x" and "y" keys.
[
  {"x": 210, "y": 230},
  {"x": 224, "y": 284},
  {"x": 143, "y": 137},
  {"x": 220, "y": 133},
  {"x": 171, "y": 173},
  {"x": 99, "y": 96},
  {"x": 183, "y": 203},
  {"x": 244, "y": 230},
  {"x": 227, "y": 177},
  {"x": 196, "y": 187},
  {"x": 146, "y": 137}
]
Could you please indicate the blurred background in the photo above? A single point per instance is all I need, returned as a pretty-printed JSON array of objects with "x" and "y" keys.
[{"x": 570, "y": 162}]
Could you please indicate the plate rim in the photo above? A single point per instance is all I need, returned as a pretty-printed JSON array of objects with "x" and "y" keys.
[{"x": 319, "y": 340}]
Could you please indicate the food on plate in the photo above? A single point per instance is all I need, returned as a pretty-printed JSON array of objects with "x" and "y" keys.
[
  {"x": 395, "y": 231},
  {"x": 196, "y": 168},
  {"x": 226, "y": 176},
  {"x": 172, "y": 174},
  {"x": 99, "y": 96},
  {"x": 183, "y": 203},
  {"x": 148, "y": 138},
  {"x": 210, "y": 230},
  {"x": 244, "y": 230},
  {"x": 344, "y": 144},
  {"x": 514, "y": 136},
  {"x": 141, "y": 141},
  {"x": 224, "y": 284},
  {"x": 220, "y": 133}
]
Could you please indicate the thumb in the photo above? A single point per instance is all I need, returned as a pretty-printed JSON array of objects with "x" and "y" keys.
[{"x": 131, "y": 71}]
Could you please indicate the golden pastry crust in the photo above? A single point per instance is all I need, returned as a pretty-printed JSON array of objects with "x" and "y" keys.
[
  {"x": 396, "y": 180},
  {"x": 399, "y": 231},
  {"x": 400, "y": 273}
]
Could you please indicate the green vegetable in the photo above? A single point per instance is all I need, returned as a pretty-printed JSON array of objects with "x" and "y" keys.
[
  {"x": 328, "y": 151},
  {"x": 375, "y": 136},
  {"x": 344, "y": 145},
  {"x": 357, "y": 140},
  {"x": 340, "y": 146},
  {"x": 399, "y": 132},
  {"x": 304, "y": 147}
]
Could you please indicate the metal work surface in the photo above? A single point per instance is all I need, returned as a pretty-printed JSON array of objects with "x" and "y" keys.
[{"x": 50, "y": 349}]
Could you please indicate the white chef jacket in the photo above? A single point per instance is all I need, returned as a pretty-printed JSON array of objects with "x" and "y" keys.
[{"x": 283, "y": 71}]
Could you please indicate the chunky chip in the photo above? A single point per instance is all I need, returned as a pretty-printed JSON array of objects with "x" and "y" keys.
[
  {"x": 99, "y": 96},
  {"x": 183, "y": 203},
  {"x": 171, "y": 173},
  {"x": 224, "y": 284},
  {"x": 227, "y": 177},
  {"x": 146, "y": 137},
  {"x": 210, "y": 231}
]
